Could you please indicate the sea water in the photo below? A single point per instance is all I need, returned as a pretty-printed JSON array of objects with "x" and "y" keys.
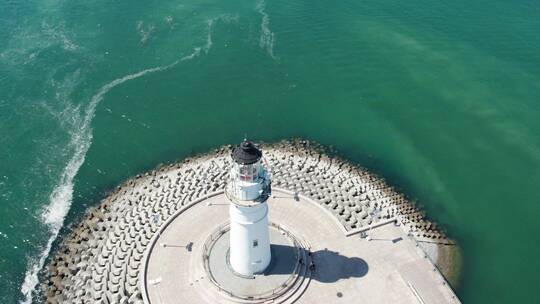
[{"x": 439, "y": 97}]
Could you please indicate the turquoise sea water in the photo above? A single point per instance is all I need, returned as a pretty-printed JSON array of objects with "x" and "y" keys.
[{"x": 440, "y": 97}]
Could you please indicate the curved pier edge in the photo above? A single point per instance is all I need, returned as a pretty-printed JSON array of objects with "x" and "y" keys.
[{"x": 99, "y": 261}]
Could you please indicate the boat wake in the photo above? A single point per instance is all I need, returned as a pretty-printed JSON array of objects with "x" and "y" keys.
[
  {"x": 266, "y": 41},
  {"x": 81, "y": 139}
]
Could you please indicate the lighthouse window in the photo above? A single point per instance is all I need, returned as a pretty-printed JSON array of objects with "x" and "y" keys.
[
  {"x": 255, "y": 243},
  {"x": 247, "y": 172},
  {"x": 244, "y": 170}
]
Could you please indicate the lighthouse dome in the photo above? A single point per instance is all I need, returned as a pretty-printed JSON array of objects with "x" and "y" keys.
[{"x": 246, "y": 153}]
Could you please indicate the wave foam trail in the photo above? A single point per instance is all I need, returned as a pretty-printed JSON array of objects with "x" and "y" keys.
[
  {"x": 267, "y": 36},
  {"x": 208, "y": 45},
  {"x": 211, "y": 23},
  {"x": 61, "y": 197}
]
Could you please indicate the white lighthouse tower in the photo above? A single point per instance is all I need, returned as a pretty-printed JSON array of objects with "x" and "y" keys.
[{"x": 248, "y": 191}]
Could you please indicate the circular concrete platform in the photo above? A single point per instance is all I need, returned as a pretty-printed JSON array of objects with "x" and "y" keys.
[
  {"x": 279, "y": 278},
  {"x": 387, "y": 269},
  {"x": 113, "y": 255}
]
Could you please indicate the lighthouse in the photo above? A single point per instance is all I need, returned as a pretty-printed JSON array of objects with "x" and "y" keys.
[{"x": 248, "y": 191}]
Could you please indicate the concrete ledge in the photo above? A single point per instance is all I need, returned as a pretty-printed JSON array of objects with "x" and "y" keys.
[{"x": 156, "y": 236}]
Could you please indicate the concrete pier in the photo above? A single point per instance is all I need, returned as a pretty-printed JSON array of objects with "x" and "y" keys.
[{"x": 103, "y": 259}]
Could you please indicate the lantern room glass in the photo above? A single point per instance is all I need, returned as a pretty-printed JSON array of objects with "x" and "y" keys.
[{"x": 248, "y": 173}]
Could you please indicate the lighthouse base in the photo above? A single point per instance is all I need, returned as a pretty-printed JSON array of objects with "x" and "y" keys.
[{"x": 284, "y": 274}]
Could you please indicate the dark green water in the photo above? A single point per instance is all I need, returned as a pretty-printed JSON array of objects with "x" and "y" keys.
[{"x": 440, "y": 97}]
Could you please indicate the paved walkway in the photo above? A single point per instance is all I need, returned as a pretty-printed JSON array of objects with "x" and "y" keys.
[{"x": 387, "y": 269}]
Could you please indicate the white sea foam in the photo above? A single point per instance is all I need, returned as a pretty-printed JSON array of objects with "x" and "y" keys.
[
  {"x": 144, "y": 31},
  {"x": 61, "y": 197},
  {"x": 26, "y": 44},
  {"x": 267, "y": 36},
  {"x": 211, "y": 23},
  {"x": 59, "y": 33},
  {"x": 209, "y": 36}
]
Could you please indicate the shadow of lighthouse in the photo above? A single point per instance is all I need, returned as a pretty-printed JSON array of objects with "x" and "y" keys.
[{"x": 330, "y": 266}]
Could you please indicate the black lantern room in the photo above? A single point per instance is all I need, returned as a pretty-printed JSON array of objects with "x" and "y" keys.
[{"x": 246, "y": 153}]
